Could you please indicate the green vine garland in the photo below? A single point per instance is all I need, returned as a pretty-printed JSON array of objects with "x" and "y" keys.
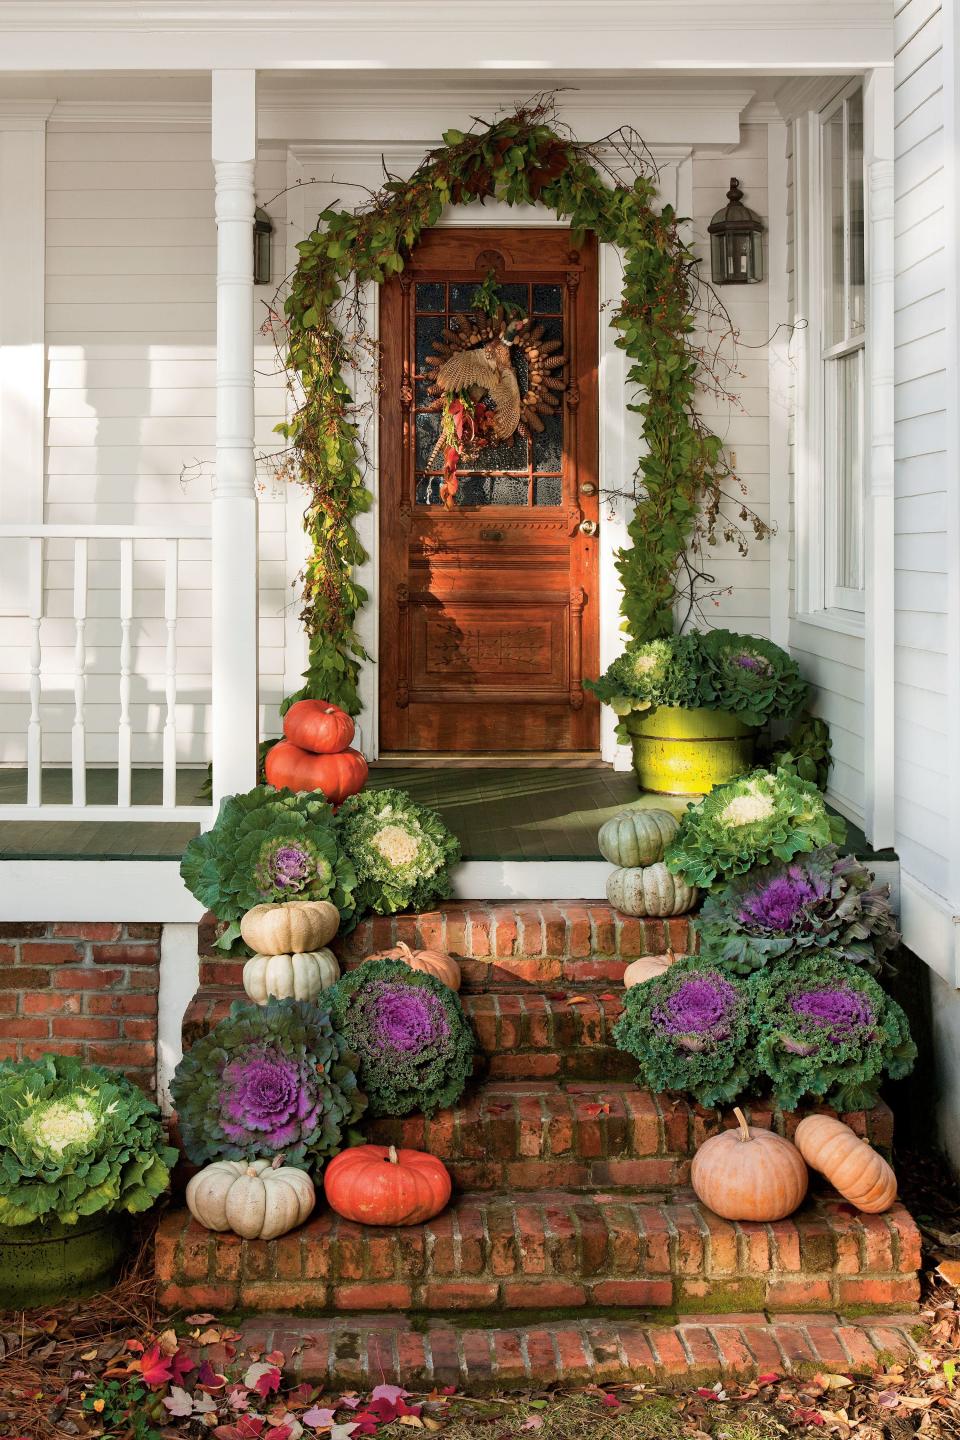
[{"x": 522, "y": 159}]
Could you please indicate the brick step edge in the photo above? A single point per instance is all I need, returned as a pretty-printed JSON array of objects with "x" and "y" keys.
[
  {"x": 385, "y": 1348},
  {"x": 502, "y": 945},
  {"x": 519, "y": 1037},
  {"x": 552, "y": 1251}
]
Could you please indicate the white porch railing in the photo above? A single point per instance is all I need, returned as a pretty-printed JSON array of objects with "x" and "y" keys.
[{"x": 79, "y": 538}]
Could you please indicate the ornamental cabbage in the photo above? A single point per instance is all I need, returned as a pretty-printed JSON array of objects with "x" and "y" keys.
[
  {"x": 749, "y": 822},
  {"x": 713, "y": 669},
  {"x": 822, "y": 901},
  {"x": 267, "y": 845},
  {"x": 402, "y": 852},
  {"x": 825, "y": 1028},
  {"x": 753, "y": 678},
  {"x": 414, "y": 1043},
  {"x": 688, "y": 1029},
  {"x": 76, "y": 1140},
  {"x": 268, "y": 1080}
]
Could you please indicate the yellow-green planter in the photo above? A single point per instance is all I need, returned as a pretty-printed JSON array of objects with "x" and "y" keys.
[
  {"x": 46, "y": 1262},
  {"x": 687, "y": 752}
]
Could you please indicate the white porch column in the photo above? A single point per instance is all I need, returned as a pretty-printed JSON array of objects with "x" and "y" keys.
[{"x": 234, "y": 546}]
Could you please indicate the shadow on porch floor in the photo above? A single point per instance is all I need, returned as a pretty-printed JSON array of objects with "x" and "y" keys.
[{"x": 514, "y": 813}]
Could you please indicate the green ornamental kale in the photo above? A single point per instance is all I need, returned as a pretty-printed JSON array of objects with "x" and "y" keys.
[
  {"x": 268, "y": 845},
  {"x": 750, "y": 821},
  {"x": 402, "y": 852},
  {"x": 268, "y": 1080},
  {"x": 826, "y": 1029},
  {"x": 753, "y": 678},
  {"x": 414, "y": 1043},
  {"x": 712, "y": 669},
  {"x": 823, "y": 901},
  {"x": 76, "y": 1140},
  {"x": 688, "y": 1030}
]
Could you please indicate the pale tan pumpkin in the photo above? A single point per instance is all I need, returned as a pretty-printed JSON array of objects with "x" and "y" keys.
[
  {"x": 301, "y": 976},
  {"x": 851, "y": 1165},
  {"x": 749, "y": 1174},
  {"x": 289, "y": 926},
  {"x": 650, "y": 890},
  {"x": 646, "y": 968},
  {"x": 258, "y": 1200},
  {"x": 437, "y": 963}
]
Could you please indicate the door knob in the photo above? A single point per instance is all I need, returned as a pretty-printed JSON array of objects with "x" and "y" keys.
[{"x": 588, "y": 527}]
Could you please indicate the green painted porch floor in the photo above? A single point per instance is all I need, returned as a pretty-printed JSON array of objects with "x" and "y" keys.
[{"x": 514, "y": 813}]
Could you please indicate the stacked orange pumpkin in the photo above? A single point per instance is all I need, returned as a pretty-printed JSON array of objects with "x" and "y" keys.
[{"x": 315, "y": 753}]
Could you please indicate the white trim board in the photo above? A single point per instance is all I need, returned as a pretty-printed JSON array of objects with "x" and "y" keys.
[{"x": 930, "y": 928}]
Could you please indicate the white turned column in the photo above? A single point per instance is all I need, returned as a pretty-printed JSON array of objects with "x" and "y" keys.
[{"x": 234, "y": 526}]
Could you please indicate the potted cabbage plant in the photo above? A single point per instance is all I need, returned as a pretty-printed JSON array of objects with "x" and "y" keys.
[
  {"x": 81, "y": 1150},
  {"x": 691, "y": 706}
]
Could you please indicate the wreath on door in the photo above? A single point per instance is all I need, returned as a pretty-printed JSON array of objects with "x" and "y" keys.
[
  {"x": 473, "y": 375},
  {"x": 678, "y": 487}
]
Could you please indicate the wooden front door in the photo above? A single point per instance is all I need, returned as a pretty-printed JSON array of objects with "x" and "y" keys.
[{"x": 489, "y": 609}]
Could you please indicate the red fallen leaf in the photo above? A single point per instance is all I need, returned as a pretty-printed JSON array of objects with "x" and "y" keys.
[
  {"x": 557, "y": 995},
  {"x": 611, "y": 1402},
  {"x": 707, "y": 1394},
  {"x": 808, "y": 1417},
  {"x": 136, "y": 1347},
  {"x": 155, "y": 1367},
  {"x": 276, "y": 1357},
  {"x": 180, "y": 1365},
  {"x": 596, "y": 1109},
  {"x": 769, "y": 1379},
  {"x": 202, "y": 1318},
  {"x": 609, "y": 995},
  {"x": 208, "y": 1378}
]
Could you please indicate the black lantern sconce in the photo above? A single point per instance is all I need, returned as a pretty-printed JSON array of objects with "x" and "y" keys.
[
  {"x": 736, "y": 242},
  {"x": 262, "y": 259}
]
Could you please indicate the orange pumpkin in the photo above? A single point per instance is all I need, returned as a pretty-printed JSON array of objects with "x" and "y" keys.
[
  {"x": 851, "y": 1165},
  {"x": 318, "y": 726},
  {"x": 337, "y": 776},
  {"x": 437, "y": 963},
  {"x": 380, "y": 1185},
  {"x": 646, "y": 968},
  {"x": 749, "y": 1174}
]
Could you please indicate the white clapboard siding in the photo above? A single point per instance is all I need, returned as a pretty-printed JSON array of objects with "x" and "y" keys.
[
  {"x": 130, "y": 328},
  {"x": 743, "y": 426},
  {"x": 922, "y": 759}
]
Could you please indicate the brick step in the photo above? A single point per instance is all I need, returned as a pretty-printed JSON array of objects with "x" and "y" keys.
[
  {"x": 389, "y": 1348},
  {"x": 551, "y": 1251},
  {"x": 581, "y": 1135},
  {"x": 503, "y": 947},
  {"x": 519, "y": 1036}
]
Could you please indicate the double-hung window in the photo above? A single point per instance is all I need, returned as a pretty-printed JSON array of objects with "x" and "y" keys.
[{"x": 841, "y": 343}]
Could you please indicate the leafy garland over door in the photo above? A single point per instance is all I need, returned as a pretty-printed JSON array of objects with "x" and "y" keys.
[{"x": 523, "y": 159}]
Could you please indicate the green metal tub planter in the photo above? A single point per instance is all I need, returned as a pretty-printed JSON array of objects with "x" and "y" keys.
[
  {"x": 44, "y": 1263},
  {"x": 688, "y": 752},
  {"x": 692, "y": 705}
]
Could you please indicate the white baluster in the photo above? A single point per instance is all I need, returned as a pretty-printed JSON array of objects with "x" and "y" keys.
[
  {"x": 170, "y": 721},
  {"x": 79, "y": 739},
  {"x": 124, "y": 733},
  {"x": 34, "y": 732}
]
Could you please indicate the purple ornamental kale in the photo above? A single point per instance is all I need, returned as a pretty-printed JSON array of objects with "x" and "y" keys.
[
  {"x": 286, "y": 867},
  {"x": 841, "y": 1011},
  {"x": 746, "y": 661},
  {"x": 699, "y": 1012},
  {"x": 404, "y": 1019},
  {"x": 780, "y": 902},
  {"x": 267, "y": 1092}
]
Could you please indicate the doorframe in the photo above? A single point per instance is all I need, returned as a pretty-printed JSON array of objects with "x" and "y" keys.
[{"x": 619, "y": 438}]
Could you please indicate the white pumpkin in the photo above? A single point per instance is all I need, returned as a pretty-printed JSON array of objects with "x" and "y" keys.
[
  {"x": 257, "y": 1200},
  {"x": 650, "y": 890},
  {"x": 301, "y": 976}
]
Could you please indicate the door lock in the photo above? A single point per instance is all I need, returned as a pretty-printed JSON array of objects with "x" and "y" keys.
[{"x": 588, "y": 527}]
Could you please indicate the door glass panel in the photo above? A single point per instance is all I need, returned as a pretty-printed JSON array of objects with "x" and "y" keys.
[
  {"x": 503, "y": 473},
  {"x": 849, "y": 499},
  {"x": 855, "y": 210},
  {"x": 834, "y": 250}
]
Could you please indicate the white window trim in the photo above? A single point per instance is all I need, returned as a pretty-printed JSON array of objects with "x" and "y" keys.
[{"x": 818, "y": 602}]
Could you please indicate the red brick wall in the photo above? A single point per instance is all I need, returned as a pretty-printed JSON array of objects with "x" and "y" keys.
[{"x": 81, "y": 989}]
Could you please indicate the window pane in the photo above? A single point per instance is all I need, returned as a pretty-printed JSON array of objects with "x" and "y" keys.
[
  {"x": 848, "y": 497},
  {"x": 855, "y": 212},
  {"x": 834, "y": 304}
]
